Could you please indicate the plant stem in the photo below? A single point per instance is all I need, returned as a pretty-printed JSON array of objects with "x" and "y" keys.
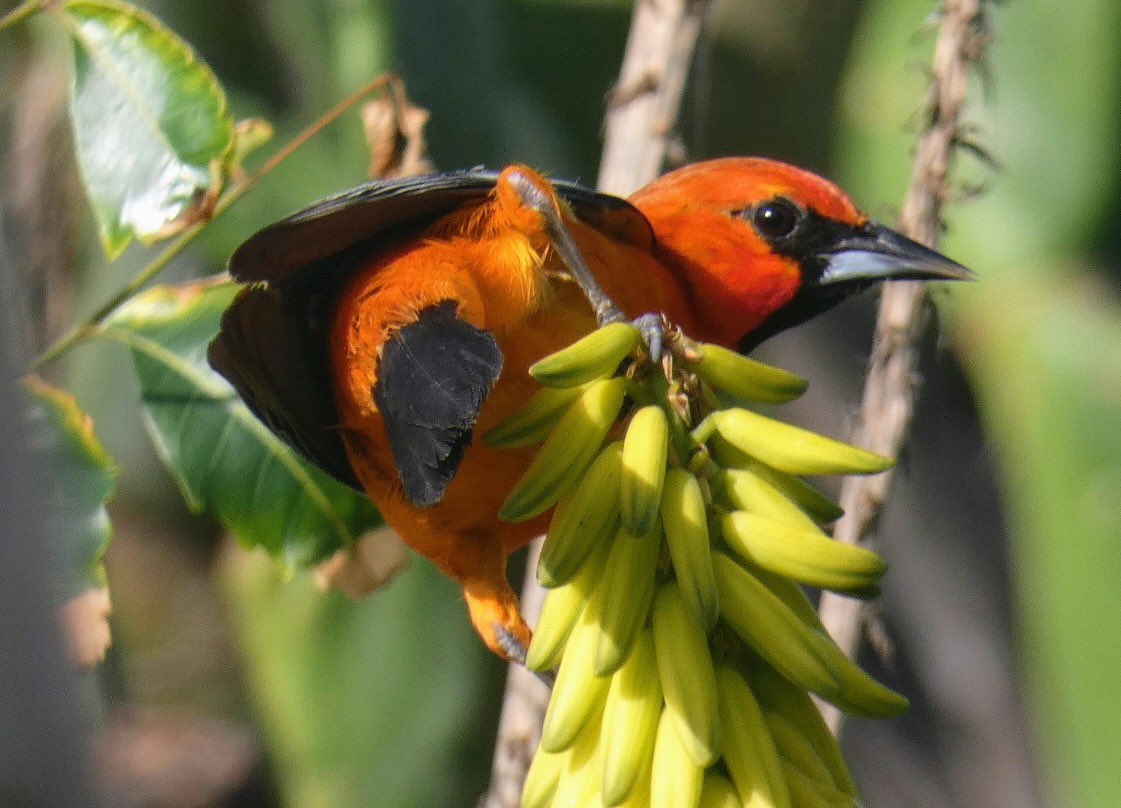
[
  {"x": 640, "y": 115},
  {"x": 889, "y": 390},
  {"x": 89, "y": 326},
  {"x": 384, "y": 81},
  {"x": 20, "y": 13}
]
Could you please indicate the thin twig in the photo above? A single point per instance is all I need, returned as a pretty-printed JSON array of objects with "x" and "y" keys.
[
  {"x": 643, "y": 107},
  {"x": 889, "y": 389},
  {"x": 20, "y": 13},
  {"x": 640, "y": 115},
  {"x": 89, "y": 326}
]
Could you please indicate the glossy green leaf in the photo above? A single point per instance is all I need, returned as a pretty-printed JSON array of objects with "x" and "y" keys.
[
  {"x": 82, "y": 479},
  {"x": 150, "y": 121},
  {"x": 225, "y": 460}
]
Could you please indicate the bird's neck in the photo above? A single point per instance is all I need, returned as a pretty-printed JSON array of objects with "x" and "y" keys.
[
  {"x": 636, "y": 279},
  {"x": 731, "y": 287}
]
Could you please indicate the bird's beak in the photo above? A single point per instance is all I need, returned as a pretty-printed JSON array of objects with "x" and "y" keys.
[{"x": 877, "y": 253}]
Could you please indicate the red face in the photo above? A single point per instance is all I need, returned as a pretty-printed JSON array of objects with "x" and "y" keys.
[{"x": 766, "y": 245}]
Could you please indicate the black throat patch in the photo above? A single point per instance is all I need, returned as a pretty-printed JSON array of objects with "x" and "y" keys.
[{"x": 809, "y": 244}]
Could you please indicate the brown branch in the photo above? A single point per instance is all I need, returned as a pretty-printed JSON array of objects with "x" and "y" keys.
[
  {"x": 643, "y": 106},
  {"x": 40, "y": 192},
  {"x": 523, "y": 709},
  {"x": 641, "y": 111},
  {"x": 889, "y": 389}
]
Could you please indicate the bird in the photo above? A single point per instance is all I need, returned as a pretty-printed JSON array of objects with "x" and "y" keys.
[{"x": 382, "y": 330}]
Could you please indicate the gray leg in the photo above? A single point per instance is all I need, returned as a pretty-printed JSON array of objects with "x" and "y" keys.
[
  {"x": 604, "y": 307},
  {"x": 651, "y": 325}
]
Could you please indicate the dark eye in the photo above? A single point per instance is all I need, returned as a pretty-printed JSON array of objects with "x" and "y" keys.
[{"x": 776, "y": 218}]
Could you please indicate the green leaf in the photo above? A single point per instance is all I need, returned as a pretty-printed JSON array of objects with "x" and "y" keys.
[
  {"x": 1047, "y": 373},
  {"x": 150, "y": 121},
  {"x": 225, "y": 460},
  {"x": 351, "y": 695},
  {"x": 82, "y": 480}
]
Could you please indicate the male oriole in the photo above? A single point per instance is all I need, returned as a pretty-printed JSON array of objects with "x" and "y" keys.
[{"x": 385, "y": 326}]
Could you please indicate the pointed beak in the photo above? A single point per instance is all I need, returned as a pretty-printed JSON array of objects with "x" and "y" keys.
[{"x": 877, "y": 253}]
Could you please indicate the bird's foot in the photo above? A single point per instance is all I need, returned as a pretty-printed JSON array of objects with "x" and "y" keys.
[
  {"x": 516, "y": 651},
  {"x": 496, "y": 616},
  {"x": 511, "y": 647},
  {"x": 652, "y": 326}
]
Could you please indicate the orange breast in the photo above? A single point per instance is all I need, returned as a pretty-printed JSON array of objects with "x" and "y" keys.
[{"x": 511, "y": 284}]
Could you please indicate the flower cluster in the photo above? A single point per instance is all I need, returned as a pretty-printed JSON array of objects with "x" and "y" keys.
[{"x": 674, "y": 560}]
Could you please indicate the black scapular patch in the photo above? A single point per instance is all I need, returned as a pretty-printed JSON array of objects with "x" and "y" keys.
[{"x": 433, "y": 377}]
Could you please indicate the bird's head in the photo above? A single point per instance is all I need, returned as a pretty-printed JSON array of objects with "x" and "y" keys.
[{"x": 764, "y": 246}]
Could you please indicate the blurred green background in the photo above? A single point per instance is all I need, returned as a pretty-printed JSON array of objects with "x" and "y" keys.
[{"x": 1004, "y": 534}]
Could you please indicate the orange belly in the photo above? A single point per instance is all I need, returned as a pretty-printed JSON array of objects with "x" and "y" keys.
[
  {"x": 515, "y": 288},
  {"x": 461, "y": 532}
]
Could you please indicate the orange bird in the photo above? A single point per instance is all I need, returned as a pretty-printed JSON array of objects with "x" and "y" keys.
[{"x": 387, "y": 325}]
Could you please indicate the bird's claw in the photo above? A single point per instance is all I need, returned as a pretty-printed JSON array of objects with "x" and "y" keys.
[
  {"x": 516, "y": 652},
  {"x": 652, "y": 326},
  {"x": 511, "y": 646},
  {"x": 536, "y": 198}
]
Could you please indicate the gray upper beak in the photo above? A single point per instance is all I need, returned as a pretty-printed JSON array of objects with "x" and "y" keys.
[{"x": 878, "y": 253}]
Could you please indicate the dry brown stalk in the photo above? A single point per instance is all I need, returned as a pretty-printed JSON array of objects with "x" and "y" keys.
[
  {"x": 889, "y": 389},
  {"x": 523, "y": 709},
  {"x": 643, "y": 106},
  {"x": 641, "y": 112}
]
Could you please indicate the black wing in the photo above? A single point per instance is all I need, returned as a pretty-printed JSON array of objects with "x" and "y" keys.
[
  {"x": 272, "y": 345},
  {"x": 373, "y": 210},
  {"x": 432, "y": 379},
  {"x": 263, "y": 349}
]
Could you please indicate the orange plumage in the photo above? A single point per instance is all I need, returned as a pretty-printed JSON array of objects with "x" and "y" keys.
[{"x": 727, "y": 249}]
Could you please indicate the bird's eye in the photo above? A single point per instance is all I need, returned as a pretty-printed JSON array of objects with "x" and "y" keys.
[{"x": 776, "y": 218}]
